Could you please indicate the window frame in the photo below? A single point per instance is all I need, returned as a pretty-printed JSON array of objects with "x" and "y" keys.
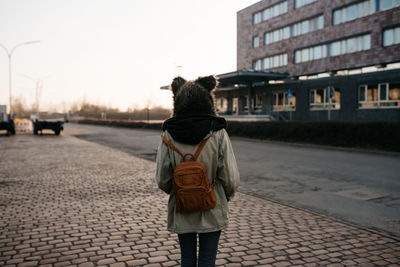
[
  {"x": 269, "y": 12},
  {"x": 257, "y": 102},
  {"x": 257, "y": 18},
  {"x": 254, "y": 39},
  {"x": 286, "y": 103},
  {"x": 281, "y": 59},
  {"x": 362, "y": 9},
  {"x": 257, "y": 62},
  {"x": 303, "y": 3},
  {"x": 380, "y": 89},
  {"x": 222, "y": 104},
  {"x": 365, "y": 90},
  {"x": 313, "y": 23},
  {"x": 393, "y": 5},
  {"x": 341, "y": 45},
  {"x": 379, "y": 103},
  {"x": 395, "y": 35},
  {"x": 324, "y": 104}
]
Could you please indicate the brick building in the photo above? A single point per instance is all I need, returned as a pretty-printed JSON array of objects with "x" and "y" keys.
[{"x": 315, "y": 60}]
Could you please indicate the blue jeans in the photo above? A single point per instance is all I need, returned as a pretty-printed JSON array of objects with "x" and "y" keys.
[{"x": 208, "y": 246}]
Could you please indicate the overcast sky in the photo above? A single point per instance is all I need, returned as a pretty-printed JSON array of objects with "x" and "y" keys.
[{"x": 113, "y": 52}]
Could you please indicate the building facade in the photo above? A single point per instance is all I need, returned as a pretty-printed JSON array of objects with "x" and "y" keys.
[{"x": 341, "y": 57}]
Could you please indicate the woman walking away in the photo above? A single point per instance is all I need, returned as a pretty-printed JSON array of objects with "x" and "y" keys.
[{"x": 197, "y": 168}]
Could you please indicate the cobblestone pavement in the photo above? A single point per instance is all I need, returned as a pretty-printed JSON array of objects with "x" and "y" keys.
[{"x": 69, "y": 202}]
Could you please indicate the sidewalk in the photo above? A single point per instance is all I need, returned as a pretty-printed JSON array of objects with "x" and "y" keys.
[{"x": 68, "y": 202}]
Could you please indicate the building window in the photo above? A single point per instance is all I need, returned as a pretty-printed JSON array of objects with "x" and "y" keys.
[
  {"x": 346, "y": 46},
  {"x": 354, "y": 11},
  {"x": 245, "y": 103},
  {"x": 299, "y": 3},
  {"x": 311, "y": 53},
  {"x": 391, "y": 36},
  {"x": 277, "y": 35},
  {"x": 222, "y": 105},
  {"x": 319, "y": 99},
  {"x": 381, "y": 95},
  {"x": 257, "y": 18},
  {"x": 270, "y": 62},
  {"x": 235, "y": 105},
  {"x": 301, "y": 27},
  {"x": 308, "y": 25},
  {"x": 388, "y": 4},
  {"x": 256, "y": 41},
  {"x": 351, "y": 45},
  {"x": 257, "y": 102},
  {"x": 274, "y": 61},
  {"x": 284, "y": 103},
  {"x": 270, "y": 12},
  {"x": 257, "y": 64},
  {"x": 362, "y": 9}
]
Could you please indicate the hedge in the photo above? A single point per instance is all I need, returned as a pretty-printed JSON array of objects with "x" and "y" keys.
[
  {"x": 122, "y": 123},
  {"x": 371, "y": 135},
  {"x": 382, "y": 135}
]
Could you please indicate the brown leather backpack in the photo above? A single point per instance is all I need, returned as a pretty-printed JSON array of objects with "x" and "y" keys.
[{"x": 192, "y": 190}]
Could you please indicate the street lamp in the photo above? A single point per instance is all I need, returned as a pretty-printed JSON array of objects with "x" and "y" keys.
[{"x": 9, "y": 54}]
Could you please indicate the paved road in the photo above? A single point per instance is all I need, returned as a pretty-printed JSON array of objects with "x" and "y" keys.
[
  {"x": 359, "y": 187},
  {"x": 68, "y": 202}
]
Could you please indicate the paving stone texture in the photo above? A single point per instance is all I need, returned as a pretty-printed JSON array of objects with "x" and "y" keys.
[{"x": 69, "y": 202}]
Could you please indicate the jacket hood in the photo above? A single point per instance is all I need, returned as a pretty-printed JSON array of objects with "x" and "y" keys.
[{"x": 192, "y": 129}]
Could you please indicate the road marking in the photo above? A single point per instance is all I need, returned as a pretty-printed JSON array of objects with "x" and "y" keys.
[{"x": 360, "y": 194}]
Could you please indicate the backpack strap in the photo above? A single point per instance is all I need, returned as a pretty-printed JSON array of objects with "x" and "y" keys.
[
  {"x": 172, "y": 146},
  {"x": 199, "y": 149},
  {"x": 195, "y": 156},
  {"x": 202, "y": 144}
]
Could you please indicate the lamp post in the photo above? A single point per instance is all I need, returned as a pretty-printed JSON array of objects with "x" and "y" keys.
[{"x": 9, "y": 54}]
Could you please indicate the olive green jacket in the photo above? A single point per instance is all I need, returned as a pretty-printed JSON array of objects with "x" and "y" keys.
[{"x": 217, "y": 155}]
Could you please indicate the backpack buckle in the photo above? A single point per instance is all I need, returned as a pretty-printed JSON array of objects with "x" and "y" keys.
[{"x": 189, "y": 154}]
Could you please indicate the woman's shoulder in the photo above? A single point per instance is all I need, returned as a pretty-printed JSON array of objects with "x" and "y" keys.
[
  {"x": 166, "y": 134},
  {"x": 220, "y": 134}
]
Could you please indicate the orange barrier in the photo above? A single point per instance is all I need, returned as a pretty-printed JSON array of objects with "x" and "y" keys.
[{"x": 23, "y": 125}]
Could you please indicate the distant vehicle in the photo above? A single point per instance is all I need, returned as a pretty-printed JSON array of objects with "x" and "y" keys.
[
  {"x": 55, "y": 125},
  {"x": 6, "y": 122},
  {"x": 8, "y": 125}
]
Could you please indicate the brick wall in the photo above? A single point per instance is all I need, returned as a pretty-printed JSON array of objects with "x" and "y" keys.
[{"x": 372, "y": 23}]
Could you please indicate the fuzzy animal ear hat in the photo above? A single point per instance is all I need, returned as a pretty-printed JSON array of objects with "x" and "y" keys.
[
  {"x": 194, "y": 113},
  {"x": 194, "y": 97}
]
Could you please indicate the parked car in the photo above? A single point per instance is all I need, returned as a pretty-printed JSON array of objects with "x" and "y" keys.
[{"x": 55, "y": 125}]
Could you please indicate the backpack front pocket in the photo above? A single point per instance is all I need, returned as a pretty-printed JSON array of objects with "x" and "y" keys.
[{"x": 194, "y": 199}]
